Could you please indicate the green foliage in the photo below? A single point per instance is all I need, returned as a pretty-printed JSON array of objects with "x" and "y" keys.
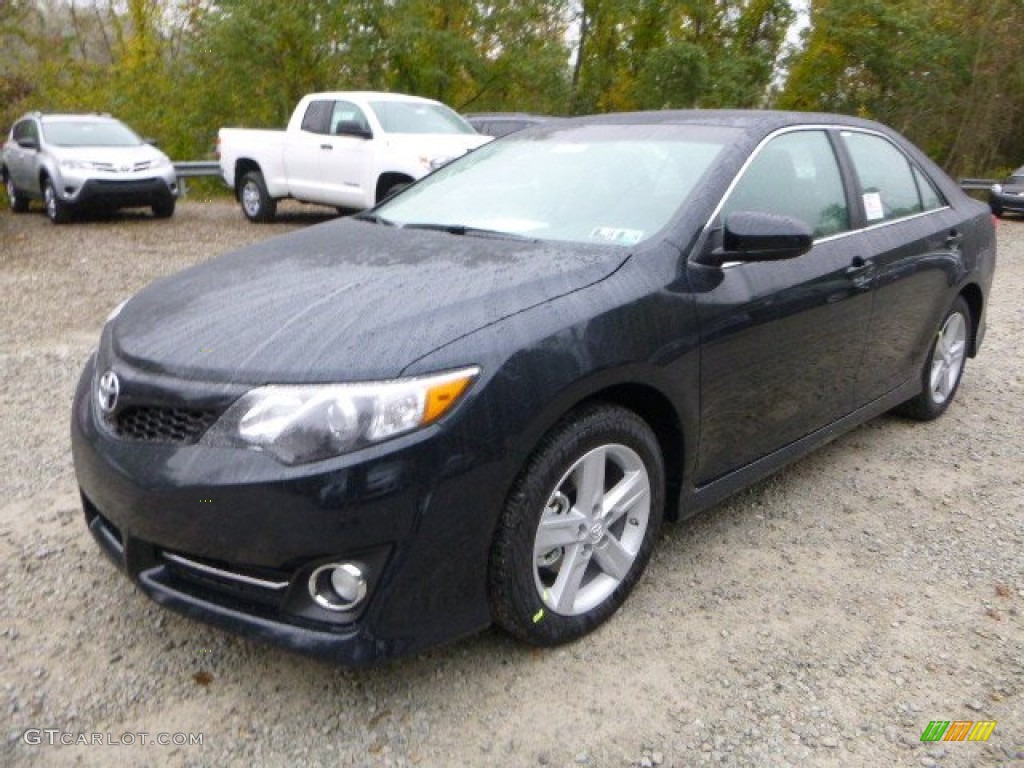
[{"x": 946, "y": 72}]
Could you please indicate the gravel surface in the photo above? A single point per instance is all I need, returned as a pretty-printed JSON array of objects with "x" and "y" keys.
[{"x": 823, "y": 617}]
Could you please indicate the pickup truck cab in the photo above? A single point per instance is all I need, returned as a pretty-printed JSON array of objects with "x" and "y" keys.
[{"x": 347, "y": 149}]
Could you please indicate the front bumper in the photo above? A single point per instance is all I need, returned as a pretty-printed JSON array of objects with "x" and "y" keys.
[
  {"x": 118, "y": 191},
  {"x": 1006, "y": 201},
  {"x": 205, "y": 531}
]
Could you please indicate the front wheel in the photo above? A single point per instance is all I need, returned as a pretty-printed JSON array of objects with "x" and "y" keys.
[
  {"x": 164, "y": 208},
  {"x": 56, "y": 209},
  {"x": 257, "y": 204},
  {"x": 19, "y": 203},
  {"x": 579, "y": 526},
  {"x": 940, "y": 377}
]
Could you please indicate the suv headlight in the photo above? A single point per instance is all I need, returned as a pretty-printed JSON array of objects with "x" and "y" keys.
[
  {"x": 299, "y": 423},
  {"x": 161, "y": 162},
  {"x": 997, "y": 188},
  {"x": 76, "y": 165}
]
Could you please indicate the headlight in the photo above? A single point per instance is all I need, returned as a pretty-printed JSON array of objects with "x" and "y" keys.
[
  {"x": 75, "y": 165},
  {"x": 299, "y": 424},
  {"x": 997, "y": 188},
  {"x": 161, "y": 162}
]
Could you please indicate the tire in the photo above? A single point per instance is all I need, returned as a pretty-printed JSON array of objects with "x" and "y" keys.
[
  {"x": 56, "y": 209},
  {"x": 19, "y": 203},
  {"x": 257, "y": 204},
  {"x": 165, "y": 208},
  {"x": 944, "y": 367},
  {"x": 557, "y": 570}
]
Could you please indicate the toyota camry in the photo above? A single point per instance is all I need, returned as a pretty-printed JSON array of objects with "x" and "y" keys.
[{"x": 477, "y": 403}]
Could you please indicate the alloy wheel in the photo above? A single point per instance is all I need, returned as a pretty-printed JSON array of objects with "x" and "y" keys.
[{"x": 591, "y": 530}]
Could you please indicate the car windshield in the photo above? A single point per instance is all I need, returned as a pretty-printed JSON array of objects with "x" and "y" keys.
[
  {"x": 605, "y": 184},
  {"x": 418, "y": 117},
  {"x": 82, "y": 133},
  {"x": 1016, "y": 179}
]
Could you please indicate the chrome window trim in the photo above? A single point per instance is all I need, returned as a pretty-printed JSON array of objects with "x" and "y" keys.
[{"x": 826, "y": 127}]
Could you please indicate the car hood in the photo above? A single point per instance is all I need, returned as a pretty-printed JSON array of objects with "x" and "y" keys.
[
  {"x": 116, "y": 156},
  {"x": 343, "y": 301}
]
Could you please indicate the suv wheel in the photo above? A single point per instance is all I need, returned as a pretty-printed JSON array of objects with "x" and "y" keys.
[
  {"x": 56, "y": 209},
  {"x": 164, "y": 209},
  {"x": 18, "y": 203}
]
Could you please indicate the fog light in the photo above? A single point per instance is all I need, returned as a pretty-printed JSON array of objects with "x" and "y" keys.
[{"x": 338, "y": 586}]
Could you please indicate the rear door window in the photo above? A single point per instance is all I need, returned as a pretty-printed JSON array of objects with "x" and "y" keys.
[
  {"x": 887, "y": 186},
  {"x": 317, "y": 116}
]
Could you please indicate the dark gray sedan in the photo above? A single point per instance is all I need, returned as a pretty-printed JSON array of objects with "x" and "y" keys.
[
  {"x": 1008, "y": 195},
  {"x": 477, "y": 402}
]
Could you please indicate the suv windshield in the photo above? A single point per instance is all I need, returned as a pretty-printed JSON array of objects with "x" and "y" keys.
[
  {"x": 606, "y": 184},
  {"x": 418, "y": 117},
  {"x": 81, "y": 133}
]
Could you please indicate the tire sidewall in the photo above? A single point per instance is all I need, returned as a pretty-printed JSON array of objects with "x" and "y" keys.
[
  {"x": 529, "y": 618},
  {"x": 932, "y": 408},
  {"x": 266, "y": 209}
]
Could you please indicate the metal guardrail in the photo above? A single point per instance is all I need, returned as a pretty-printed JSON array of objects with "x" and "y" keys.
[
  {"x": 190, "y": 169},
  {"x": 197, "y": 168},
  {"x": 982, "y": 184}
]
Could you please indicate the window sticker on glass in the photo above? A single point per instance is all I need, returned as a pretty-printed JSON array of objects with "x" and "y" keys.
[
  {"x": 616, "y": 235},
  {"x": 873, "y": 206}
]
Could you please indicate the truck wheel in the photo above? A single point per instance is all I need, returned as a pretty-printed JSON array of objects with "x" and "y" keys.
[{"x": 257, "y": 204}]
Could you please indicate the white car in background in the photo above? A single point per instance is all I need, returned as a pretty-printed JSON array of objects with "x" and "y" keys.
[
  {"x": 345, "y": 149},
  {"x": 74, "y": 162}
]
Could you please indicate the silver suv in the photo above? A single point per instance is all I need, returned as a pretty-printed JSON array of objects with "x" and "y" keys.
[{"x": 77, "y": 161}]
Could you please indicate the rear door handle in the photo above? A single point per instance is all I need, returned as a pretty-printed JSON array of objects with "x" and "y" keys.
[{"x": 326, "y": 146}]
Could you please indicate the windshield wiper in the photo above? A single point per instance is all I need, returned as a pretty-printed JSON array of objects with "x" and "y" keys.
[
  {"x": 374, "y": 218},
  {"x": 465, "y": 229}
]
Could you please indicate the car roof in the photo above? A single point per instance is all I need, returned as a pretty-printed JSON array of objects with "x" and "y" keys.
[
  {"x": 762, "y": 119},
  {"x": 78, "y": 118},
  {"x": 510, "y": 116}
]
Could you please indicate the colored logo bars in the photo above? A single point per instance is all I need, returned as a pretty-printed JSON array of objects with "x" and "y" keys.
[{"x": 958, "y": 730}]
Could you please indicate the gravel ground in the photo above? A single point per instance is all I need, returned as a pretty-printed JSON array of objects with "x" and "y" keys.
[{"x": 823, "y": 617}]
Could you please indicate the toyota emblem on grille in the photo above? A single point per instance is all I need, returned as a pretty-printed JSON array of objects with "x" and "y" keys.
[
  {"x": 107, "y": 391},
  {"x": 125, "y": 168}
]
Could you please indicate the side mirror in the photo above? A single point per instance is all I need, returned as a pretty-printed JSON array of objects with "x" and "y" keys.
[
  {"x": 150, "y": 141},
  {"x": 352, "y": 128},
  {"x": 28, "y": 143},
  {"x": 754, "y": 236}
]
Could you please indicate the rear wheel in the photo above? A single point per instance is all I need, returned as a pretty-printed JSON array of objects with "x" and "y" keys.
[
  {"x": 19, "y": 203},
  {"x": 578, "y": 528},
  {"x": 940, "y": 377},
  {"x": 56, "y": 209},
  {"x": 257, "y": 204}
]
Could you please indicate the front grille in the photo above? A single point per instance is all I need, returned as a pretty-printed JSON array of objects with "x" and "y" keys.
[{"x": 164, "y": 425}]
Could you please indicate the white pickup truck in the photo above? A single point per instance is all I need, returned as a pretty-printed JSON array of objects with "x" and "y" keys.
[{"x": 345, "y": 149}]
